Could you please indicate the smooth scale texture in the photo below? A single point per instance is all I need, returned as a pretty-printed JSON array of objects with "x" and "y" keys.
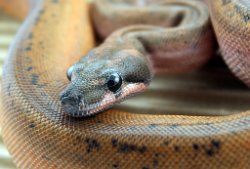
[{"x": 55, "y": 35}]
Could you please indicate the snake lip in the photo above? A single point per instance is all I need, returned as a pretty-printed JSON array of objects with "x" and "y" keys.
[
  {"x": 108, "y": 100},
  {"x": 77, "y": 106}
]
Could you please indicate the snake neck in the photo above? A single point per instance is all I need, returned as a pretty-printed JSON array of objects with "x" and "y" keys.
[{"x": 108, "y": 74}]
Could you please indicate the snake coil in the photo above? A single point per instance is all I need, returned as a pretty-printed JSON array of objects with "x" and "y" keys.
[{"x": 38, "y": 135}]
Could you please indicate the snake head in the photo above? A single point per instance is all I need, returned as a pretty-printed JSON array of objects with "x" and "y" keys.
[{"x": 103, "y": 78}]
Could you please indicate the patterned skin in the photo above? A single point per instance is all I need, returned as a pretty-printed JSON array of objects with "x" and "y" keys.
[
  {"x": 57, "y": 33},
  {"x": 129, "y": 51}
]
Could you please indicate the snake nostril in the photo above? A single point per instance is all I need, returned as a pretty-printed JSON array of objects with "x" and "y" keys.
[
  {"x": 64, "y": 100},
  {"x": 69, "y": 101},
  {"x": 70, "y": 105}
]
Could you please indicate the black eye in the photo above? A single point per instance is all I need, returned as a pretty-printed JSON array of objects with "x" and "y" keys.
[
  {"x": 69, "y": 72},
  {"x": 114, "y": 82}
]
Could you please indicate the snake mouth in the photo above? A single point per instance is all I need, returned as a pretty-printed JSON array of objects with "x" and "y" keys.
[{"x": 77, "y": 106}]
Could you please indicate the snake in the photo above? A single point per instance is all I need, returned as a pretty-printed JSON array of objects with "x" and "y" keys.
[{"x": 50, "y": 120}]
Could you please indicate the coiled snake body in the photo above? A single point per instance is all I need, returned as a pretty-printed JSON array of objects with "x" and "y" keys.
[{"x": 56, "y": 33}]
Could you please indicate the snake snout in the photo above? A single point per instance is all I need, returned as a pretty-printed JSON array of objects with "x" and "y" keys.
[{"x": 70, "y": 103}]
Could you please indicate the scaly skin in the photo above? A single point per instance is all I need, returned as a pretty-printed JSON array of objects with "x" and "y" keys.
[
  {"x": 39, "y": 135},
  {"x": 186, "y": 45},
  {"x": 234, "y": 39}
]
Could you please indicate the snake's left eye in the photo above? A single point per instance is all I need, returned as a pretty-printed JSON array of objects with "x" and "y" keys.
[
  {"x": 69, "y": 72},
  {"x": 114, "y": 82}
]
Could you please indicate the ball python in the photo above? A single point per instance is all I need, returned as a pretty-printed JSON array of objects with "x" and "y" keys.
[{"x": 39, "y": 133}]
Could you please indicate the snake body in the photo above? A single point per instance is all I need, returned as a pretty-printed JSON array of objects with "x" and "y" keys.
[
  {"x": 55, "y": 34},
  {"x": 127, "y": 52}
]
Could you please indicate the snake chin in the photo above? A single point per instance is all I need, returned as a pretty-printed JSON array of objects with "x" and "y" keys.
[{"x": 77, "y": 106}]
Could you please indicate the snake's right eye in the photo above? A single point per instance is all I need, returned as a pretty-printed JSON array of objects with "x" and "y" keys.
[
  {"x": 114, "y": 83},
  {"x": 69, "y": 72}
]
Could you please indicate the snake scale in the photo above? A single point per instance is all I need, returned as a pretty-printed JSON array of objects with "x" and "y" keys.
[{"x": 57, "y": 33}]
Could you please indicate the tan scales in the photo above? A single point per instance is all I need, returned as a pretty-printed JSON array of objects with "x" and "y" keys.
[{"x": 39, "y": 136}]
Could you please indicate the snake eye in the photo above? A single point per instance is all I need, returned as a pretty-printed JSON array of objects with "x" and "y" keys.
[
  {"x": 69, "y": 72},
  {"x": 114, "y": 82}
]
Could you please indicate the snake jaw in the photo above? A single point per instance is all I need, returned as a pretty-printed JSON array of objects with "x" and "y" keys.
[
  {"x": 105, "y": 77},
  {"x": 77, "y": 106}
]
